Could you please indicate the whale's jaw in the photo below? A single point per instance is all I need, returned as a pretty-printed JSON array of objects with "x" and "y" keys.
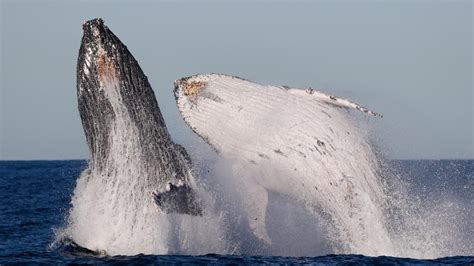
[{"x": 124, "y": 128}]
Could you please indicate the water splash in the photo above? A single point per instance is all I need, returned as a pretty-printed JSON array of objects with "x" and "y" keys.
[
  {"x": 432, "y": 227},
  {"x": 112, "y": 207},
  {"x": 113, "y": 212},
  {"x": 108, "y": 215}
]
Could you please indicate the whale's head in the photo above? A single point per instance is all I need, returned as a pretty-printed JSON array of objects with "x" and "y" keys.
[
  {"x": 195, "y": 93},
  {"x": 212, "y": 103},
  {"x": 112, "y": 89},
  {"x": 99, "y": 56}
]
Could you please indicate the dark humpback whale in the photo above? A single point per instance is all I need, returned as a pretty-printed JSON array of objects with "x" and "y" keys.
[{"x": 127, "y": 137}]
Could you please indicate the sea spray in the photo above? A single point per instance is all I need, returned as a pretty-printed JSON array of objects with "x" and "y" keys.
[
  {"x": 113, "y": 210},
  {"x": 420, "y": 227},
  {"x": 415, "y": 230}
]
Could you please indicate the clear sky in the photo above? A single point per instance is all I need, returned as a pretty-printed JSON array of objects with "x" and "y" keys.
[{"x": 411, "y": 61}]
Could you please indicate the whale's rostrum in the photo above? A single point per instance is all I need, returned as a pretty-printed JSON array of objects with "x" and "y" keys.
[{"x": 124, "y": 128}]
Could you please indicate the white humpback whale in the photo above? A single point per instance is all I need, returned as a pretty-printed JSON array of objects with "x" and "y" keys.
[
  {"x": 302, "y": 143},
  {"x": 136, "y": 172}
]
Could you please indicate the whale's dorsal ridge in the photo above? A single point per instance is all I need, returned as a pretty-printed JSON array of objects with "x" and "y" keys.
[{"x": 332, "y": 100}]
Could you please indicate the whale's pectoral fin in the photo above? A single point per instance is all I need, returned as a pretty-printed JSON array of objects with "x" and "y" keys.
[
  {"x": 256, "y": 210},
  {"x": 179, "y": 199}
]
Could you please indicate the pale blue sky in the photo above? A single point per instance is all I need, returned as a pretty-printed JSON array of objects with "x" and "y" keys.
[{"x": 411, "y": 61}]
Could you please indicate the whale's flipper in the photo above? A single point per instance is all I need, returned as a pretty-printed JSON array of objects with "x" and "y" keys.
[
  {"x": 178, "y": 198},
  {"x": 256, "y": 210}
]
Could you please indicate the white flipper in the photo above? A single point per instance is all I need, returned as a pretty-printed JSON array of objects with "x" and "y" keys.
[{"x": 256, "y": 208}]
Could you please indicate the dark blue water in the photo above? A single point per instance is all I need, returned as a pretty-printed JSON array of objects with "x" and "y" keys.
[{"x": 35, "y": 198}]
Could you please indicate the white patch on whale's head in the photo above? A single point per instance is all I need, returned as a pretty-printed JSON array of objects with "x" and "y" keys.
[
  {"x": 196, "y": 93},
  {"x": 106, "y": 70},
  {"x": 221, "y": 109},
  {"x": 199, "y": 100},
  {"x": 97, "y": 61}
]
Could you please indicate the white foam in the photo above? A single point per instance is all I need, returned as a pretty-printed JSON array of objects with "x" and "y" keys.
[
  {"x": 113, "y": 209},
  {"x": 274, "y": 188}
]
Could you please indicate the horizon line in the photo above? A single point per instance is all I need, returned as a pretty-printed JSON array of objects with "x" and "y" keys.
[{"x": 391, "y": 159}]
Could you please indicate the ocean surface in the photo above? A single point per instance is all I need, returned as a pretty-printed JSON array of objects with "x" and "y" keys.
[{"x": 35, "y": 197}]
